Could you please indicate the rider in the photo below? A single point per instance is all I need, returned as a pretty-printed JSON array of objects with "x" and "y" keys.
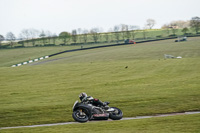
[{"x": 94, "y": 101}]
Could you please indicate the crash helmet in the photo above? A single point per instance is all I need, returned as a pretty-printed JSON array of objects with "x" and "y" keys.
[{"x": 82, "y": 96}]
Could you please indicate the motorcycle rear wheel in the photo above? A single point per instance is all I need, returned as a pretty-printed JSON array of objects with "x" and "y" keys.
[{"x": 116, "y": 115}]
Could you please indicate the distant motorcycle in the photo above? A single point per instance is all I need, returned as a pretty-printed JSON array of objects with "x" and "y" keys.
[{"x": 83, "y": 112}]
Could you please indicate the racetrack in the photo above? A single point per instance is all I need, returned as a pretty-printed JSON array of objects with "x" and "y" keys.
[{"x": 127, "y": 118}]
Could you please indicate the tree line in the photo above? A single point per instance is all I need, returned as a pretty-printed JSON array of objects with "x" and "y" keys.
[{"x": 84, "y": 36}]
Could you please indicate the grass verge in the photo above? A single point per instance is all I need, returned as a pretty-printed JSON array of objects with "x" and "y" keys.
[{"x": 175, "y": 124}]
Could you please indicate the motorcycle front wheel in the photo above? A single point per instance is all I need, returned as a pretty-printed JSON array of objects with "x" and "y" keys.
[
  {"x": 80, "y": 115},
  {"x": 116, "y": 114}
]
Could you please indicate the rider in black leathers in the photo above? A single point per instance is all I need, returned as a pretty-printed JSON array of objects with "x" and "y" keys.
[{"x": 94, "y": 101}]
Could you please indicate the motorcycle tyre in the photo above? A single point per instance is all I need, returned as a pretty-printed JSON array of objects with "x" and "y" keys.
[
  {"x": 116, "y": 117},
  {"x": 79, "y": 120}
]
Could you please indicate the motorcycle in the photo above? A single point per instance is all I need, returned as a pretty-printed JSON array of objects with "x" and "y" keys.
[{"x": 83, "y": 112}]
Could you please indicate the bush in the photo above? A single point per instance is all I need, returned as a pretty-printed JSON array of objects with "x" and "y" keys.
[
  {"x": 38, "y": 45},
  {"x": 188, "y": 34},
  {"x": 4, "y": 46},
  {"x": 19, "y": 46},
  {"x": 149, "y": 38},
  {"x": 139, "y": 38},
  {"x": 49, "y": 44},
  {"x": 172, "y": 35},
  {"x": 160, "y": 36},
  {"x": 77, "y": 43}
]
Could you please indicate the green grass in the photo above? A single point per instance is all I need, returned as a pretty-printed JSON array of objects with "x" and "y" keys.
[
  {"x": 148, "y": 51},
  {"x": 45, "y": 93},
  {"x": 11, "y": 57},
  {"x": 173, "y": 124}
]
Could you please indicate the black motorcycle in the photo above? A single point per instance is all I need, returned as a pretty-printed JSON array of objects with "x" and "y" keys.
[{"x": 83, "y": 111}]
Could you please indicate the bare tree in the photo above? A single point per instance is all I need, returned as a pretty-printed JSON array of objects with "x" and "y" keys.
[
  {"x": 110, "y": 31},
  {"x": 133, "y": 33},
  {"x": 85, "y": 35},
  {"x": 195, "y": 23},
  {"x": 106, "y": 37},
  {"x": 123, "y": 28},
  {"x": 25, "y": 33},
  {"x": 10, "y": 37},
  {"x": 54, "y": 37},
  {"x": 150, "y": 23},
  {"x": 127, "y": 32},
  {"x": 42, "y": 36},
  {"x": 48, "y": 36},
  {"x": 1, "y": 39},
  {"x": 28, "y": 34},
  {"x": 144, "y": 32},
  {"x": 80, "y": 31},
  {"x": 48, "y": 33},
  {"x": 95, "y": 34},
  {"x": 133, "y": 29},
  {"x": 101, "y": 30},
  {"x": 117, "y": 33},
  {"x": 74, "y": 36},
  {"x": 116, "y": 28},
  {"x": 33, "y": 35},
  {"x": 21, "y": 38}
]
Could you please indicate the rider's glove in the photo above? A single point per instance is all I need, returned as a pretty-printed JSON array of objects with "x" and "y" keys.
[{"x": 105, "y": 103}]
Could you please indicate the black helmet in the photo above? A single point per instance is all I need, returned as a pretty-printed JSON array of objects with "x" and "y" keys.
[{"x": 82, "y": 96}]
